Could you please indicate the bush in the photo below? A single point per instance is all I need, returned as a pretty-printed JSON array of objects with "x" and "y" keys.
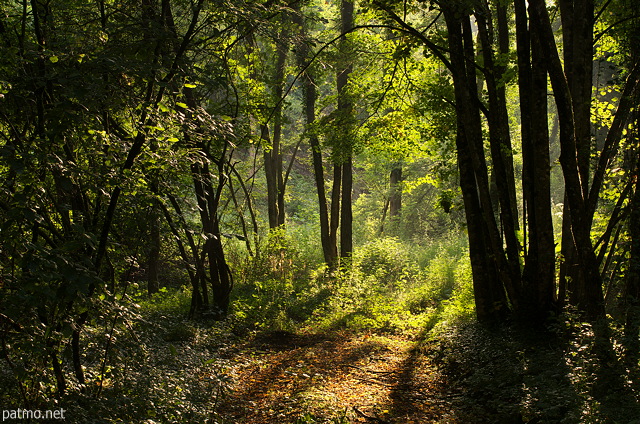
[
  {"x": 387, "y": 260},
  {"x": 279, "y": 288},
  {"x": 386, "y": 289}
]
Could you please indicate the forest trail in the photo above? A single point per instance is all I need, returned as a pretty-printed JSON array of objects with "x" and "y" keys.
[{"x": 282, "y": 377}]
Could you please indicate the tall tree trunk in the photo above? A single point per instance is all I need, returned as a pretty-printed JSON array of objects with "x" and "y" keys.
[
  {"x": 334, "y": 221},
  {"x": 208, "y": 196},
  {"x": 538, "y": 295},
  {"x": 395, "y": 190},
  {"x": 540, "y": 217},
  {"x": 501, "y": 151},
  {"x": 153, "y": 257},
  {"x": 632, "y": 289},
  {"x": 345, "y": 110},
  {"x": 153, "y": 254},
  {"x": 632, "y": 282},
  {"x": 310, "y": 95},
  {"x": 346, "y": 213},
  {"x": 273, "y": 155},
  {"x": 590, "y": 284},
  {"x": 488, "y": 274},
  {"x": 217, "y": 271},
  {"x": 270, "y": 173},
  {"x": 577, "y": 30}
]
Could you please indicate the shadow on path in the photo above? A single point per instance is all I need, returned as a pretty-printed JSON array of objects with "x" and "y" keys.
[{"x": 512, "y": 375}]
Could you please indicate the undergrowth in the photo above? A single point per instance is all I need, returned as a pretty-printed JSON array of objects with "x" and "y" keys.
[
  {"x": 387, "y": 285},
  {"x": 156, "y": 365}
]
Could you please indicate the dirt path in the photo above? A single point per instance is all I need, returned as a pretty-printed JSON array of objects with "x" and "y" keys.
[{"x": 336, "y": 378}]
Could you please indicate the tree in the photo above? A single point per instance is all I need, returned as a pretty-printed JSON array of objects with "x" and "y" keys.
[
  {"x": 344, "y": 164},
  {"x": 539, "y": 270},
  {"x": 310, "y": 94},
  {"x": 477, "y": 109},
  {"x": 582, "y": 199},
  {"x": 273, "y": 151},
  {"x": 96, "y": 103}
]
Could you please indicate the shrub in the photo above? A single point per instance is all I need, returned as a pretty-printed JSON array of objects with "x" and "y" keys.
[{"x": 387, "y": 260}]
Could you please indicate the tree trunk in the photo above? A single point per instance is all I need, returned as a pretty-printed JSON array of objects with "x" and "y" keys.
[
  {"x": 577, "y": 32},
  {"x": 271, "y": 175},
  {"x": 490, "y": 296},
  {"x": 217, "y": 271},
  {"x": 632, "y": 289},
  {"x": 632, "y": 282},
  {"x": 310, "y": 95},
  {"x": 395, "y": 190},
  {"x": 153, "y": 254},
  {"x": 346, "y": 214},
  {"x": 334, "y": 222},
  {"x": 273, "y": 153},
  {"x": 501, "y": 151},
  {"x": 345, "y": 111},
  {"x": 589, "y": 286},
  {"x": 538, "y": 295},
  {"x": 208, "y": 195}
]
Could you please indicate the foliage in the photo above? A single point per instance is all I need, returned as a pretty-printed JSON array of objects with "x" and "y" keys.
[
  {"x": 132, "y": 139},
  {"x": 275, "y": 289},
  {"x": 387, "y": 289}
]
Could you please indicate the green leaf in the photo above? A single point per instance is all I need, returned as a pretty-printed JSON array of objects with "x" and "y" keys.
[{"x": 54, "y": 59}]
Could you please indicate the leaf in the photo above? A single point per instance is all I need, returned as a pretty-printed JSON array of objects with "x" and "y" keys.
[{"x": 54, "y": 59}]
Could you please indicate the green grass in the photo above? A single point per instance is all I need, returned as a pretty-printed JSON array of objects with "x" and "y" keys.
[{"x": 388, "y": 286}]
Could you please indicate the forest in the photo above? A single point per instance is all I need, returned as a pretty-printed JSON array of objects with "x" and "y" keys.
[{"x": 320, "y": 211}]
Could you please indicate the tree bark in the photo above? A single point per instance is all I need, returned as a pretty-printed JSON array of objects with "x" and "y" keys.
[
  {"x": 489, "y": 291},
  {"x": 310, "y": 95},
  {"x": 345, "y": 109},
  {"x": 334, "y": 222},
  {"x": 395, "y": 189},
  {"x": 590, "y": 284},
  {"x": 632, "y": 282},
  {"x": 275, "y": 182},
  {"x": 346, "y": 213},
  {"x": 501, "y": 151},
  {"x": 538, "y": 276}
]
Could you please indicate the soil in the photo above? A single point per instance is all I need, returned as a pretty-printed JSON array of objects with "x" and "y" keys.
[{"x": 281, "y": 377}]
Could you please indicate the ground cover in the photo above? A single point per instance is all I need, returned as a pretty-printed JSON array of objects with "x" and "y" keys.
[{"x": 175, "y": 370}]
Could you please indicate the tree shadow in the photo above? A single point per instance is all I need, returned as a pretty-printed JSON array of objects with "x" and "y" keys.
[
  {"x": 471, "y": 374},
  {"x": 288, "y": 368},
  {"x": 612, "y": 385},
  {"x": 496, "y": 375}
]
